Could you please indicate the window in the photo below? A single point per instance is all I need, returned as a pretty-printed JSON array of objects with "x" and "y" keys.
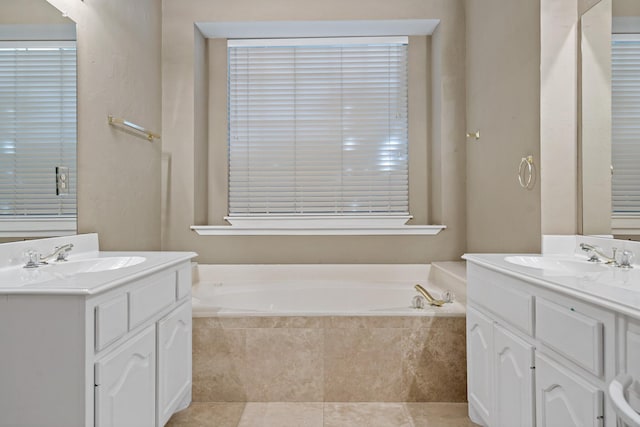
[
  {"x": 37, "y": 135},
  {"x": 625, "y": 103},
  {"x": 318, "y": 127}
]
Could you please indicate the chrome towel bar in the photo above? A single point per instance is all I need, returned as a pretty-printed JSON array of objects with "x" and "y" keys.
[{"x": 122, "y": 122}]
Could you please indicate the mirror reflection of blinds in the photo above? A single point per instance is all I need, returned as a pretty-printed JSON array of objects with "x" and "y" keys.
[
  {"x": 318, "y": 127},
  {"x": 37, "y": 127},
  {"x": 625, "y": 103}
]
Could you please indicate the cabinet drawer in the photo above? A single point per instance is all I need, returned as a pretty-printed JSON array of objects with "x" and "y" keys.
[
  {"x": 183, "y": 287},
  {"x": 508, "y": 298},
  {"x": 572, "y": 333},
  {"x": 111, "y": 319},
  {"x": 149, "y": 298}
]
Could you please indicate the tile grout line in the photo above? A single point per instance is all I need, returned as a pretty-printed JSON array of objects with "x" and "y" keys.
[{"x": 408, "y": 414}]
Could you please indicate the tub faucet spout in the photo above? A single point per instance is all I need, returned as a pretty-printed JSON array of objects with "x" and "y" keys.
[{"x": 430, "y": 299}]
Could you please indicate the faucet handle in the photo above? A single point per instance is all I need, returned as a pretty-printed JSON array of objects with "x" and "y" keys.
[
  {"x": 63, "y": 252},
  {"x": 625, "y": 259},
  {"x": 592, "y": 252},
  {"x": 31, "y": 258}
]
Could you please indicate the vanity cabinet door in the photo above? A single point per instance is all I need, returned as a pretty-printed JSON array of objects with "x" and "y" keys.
[
  {"x": 513, "y": 379},
  {"x": 479, "y": 363},
  {"x": 125, "y": 384},
  {"x": 174, "y": 360},
  {"x": 563, "y": 399},
  {"x": 633, "y": 363}
]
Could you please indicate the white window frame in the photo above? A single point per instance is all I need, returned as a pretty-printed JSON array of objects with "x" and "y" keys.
[{"x": 317, "y": 224}]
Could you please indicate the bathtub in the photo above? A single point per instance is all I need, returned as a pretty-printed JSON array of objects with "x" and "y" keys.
[
  {"x": 317, "y": 290},
  {"x": 326, "y": 333}
]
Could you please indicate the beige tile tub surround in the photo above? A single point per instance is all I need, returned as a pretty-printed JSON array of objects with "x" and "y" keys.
[
  {"x": 311, "y": 414},
  {"x": 329, "y": 359}
]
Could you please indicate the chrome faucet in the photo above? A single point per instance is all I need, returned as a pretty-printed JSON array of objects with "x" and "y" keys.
[
  {"x": 60, "y": 253},
  {"x": 596, "y": 255}
]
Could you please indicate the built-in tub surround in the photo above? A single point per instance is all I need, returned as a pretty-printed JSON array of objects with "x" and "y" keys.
[
  {"x": 318, "y": 352},
  {"x": 548, "y": 333},
  {"x": 101, "y": 339}
]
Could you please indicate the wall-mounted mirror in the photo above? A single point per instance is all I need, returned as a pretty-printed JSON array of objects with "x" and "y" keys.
[
  {"x": 610, "y": 142},
  {"x": 38, "y": 121}
]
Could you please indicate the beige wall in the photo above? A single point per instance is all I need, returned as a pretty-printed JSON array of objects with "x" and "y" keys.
[
  {"x": 184, "y": 84},
  {"x": 119, "y": 175},
  {"x": 29, "y": 12},
  {"x": 559, "y": 116},
  {"x": 503, "y": 103},
  {"x": 595, "y": 120},
  {"x": 585, "y": 5},
  {"x": 626, "y": 8}
]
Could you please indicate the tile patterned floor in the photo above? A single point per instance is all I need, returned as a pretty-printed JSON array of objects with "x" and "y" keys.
[{"x": 313, "y": 414}]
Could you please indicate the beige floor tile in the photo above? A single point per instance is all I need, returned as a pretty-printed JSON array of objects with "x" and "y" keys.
[
  {"x": 366, "y": 415},
  {"x": 282, "y": 414},
  {"x": 208, "y": 414},
  {"x": 315, "y": 414},
  {"x": 439, "y": 414}
]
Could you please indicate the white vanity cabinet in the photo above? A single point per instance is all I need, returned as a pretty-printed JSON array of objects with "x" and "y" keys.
[
  {"x": 116, "y": 357},
  {"x": 535, "y": 357},
  {"x": 144, "y": 375}
]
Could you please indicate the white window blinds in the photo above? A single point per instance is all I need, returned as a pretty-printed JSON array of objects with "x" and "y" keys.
[
  {"x": 625, "y": 102},
  {"x": 37, "y": 128},
  {"x": 318, "y": 127}
]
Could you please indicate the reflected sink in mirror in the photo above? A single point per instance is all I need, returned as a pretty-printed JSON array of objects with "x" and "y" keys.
[
  {"x": 92, "y": 265},
  {"x": 565, "y": 266}
]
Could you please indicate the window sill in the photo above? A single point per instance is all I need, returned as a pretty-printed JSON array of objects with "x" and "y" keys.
[
  {"x": 317, "y": 226},
  {"x": 40, "y": 227}
]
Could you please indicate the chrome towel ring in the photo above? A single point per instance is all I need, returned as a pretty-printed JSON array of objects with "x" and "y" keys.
[{"x": 526, "y": 173}]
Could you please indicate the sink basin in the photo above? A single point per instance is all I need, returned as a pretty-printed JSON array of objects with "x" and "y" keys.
[
  {"x": 92, "y": 265},
  {"x": 19, "y": 276},
  {"x": 556, "y": 265}
]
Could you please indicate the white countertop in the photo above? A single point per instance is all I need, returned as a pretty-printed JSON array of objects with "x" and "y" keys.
[
  {"x": 30, "y": 281},
  {"x": 613, "y": 288}
]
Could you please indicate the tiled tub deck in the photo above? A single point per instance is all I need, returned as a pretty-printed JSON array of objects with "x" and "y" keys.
[
  {"x": 341, "y": 358},
  {"x": 329, "y": 359}
]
